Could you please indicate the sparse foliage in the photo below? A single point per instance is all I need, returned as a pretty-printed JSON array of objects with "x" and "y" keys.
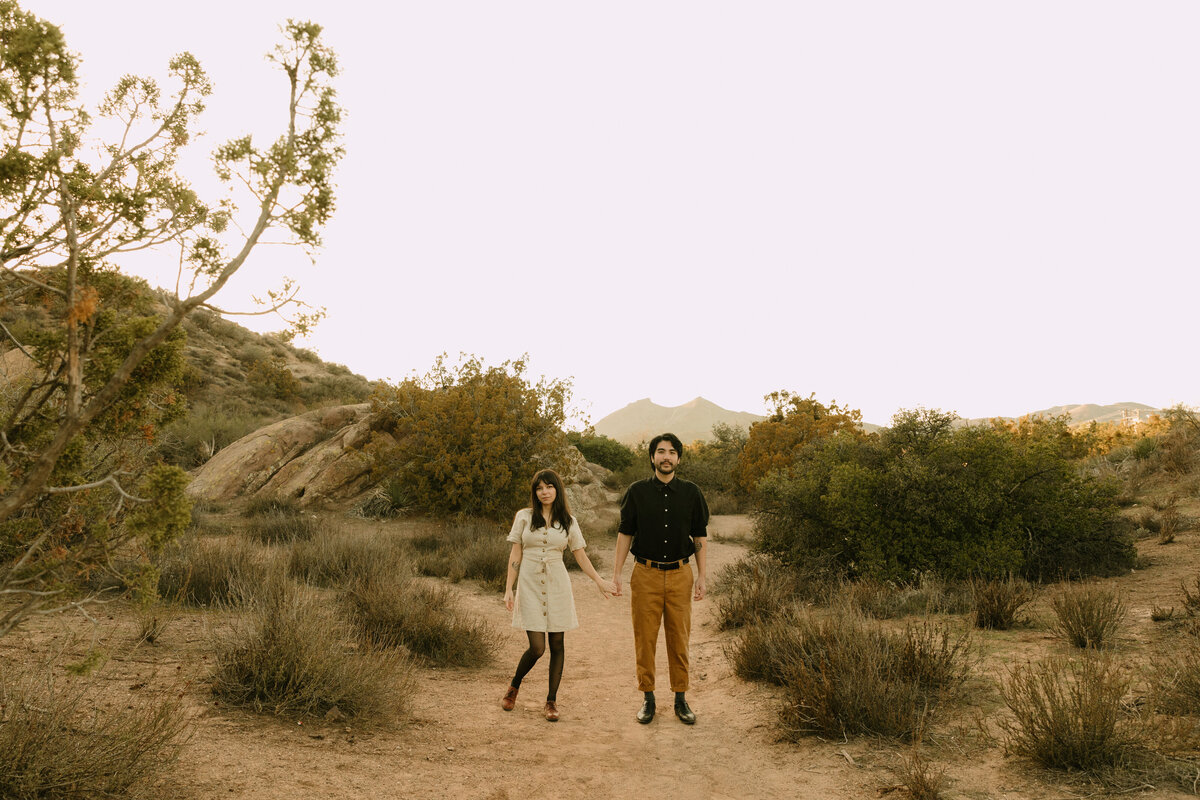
[
  {"x": 99, "y": 372},
  {"x": 1088, "y": 615}
]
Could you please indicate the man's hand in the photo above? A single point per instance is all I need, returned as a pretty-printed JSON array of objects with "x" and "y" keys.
[
  {"x": 616, "y": 582},
  {"x": 698, "y": 594}
]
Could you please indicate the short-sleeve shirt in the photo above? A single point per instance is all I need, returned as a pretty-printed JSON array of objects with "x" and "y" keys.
[{"x": 662, "y": 518}]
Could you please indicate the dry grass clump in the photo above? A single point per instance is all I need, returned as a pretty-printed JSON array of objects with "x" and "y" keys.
[
  {"x": 56, "y": 744},
  {"x": 209, "y": 573},
  {"x": 996, "y": 604},
  {"x": 338, "y": 558},
  {"x": 394, "y": 611},
  {"x": 844, "y": 676},
  {"x": 293, "y": 655},
  {"x": 883, "y": 600},
  {"x": 1089, "y": 615},
  {"x": 753, "y": 590},
  {"x": 1175, "y": 679},
  {"x": 469, "y": 549},
  {"x": 1069, "y": 713},
  {"x": 281, "y": 525},
  {"x": 918, "y": 776}
]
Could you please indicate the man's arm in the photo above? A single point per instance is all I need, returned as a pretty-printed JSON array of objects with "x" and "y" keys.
[
  {"x": 701, "y": 565},
  {"x": 624, "y": 541}
]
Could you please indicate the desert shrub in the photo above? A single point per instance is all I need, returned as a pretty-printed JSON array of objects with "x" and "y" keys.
[
  {"x": 844, "y": 676},
  {"x": 344, "y": 389},
  {"x": 467, "y": 549},
  {"x": 1175, "y": 679},
  {"x": 713, "y": 466},
  {"x": 751, "y": 590},
  {"x": 920, "y": 778},
  {"x": 996, "y": 604},
  {"x": 599, "y": 449},
  {"x": 863, "y": 680},
  {"x": 281, "y": 526},
  {"x": 291, "y": 654},
  {"x": 209, "y": 573},
  {"x": 1191, "y": 597},
  {"x": 252, "y": 351},
  {"x": 337, "y": 558},
  {"x": 1088, "y": 615},
  {"x": 388, "y": 500},
  {"x": 466, "y": 439},
  {"x": 1069, "y": 714},
  {"x": 307, "y": 356},
  {"x": 927, "y": 497},
  {"x": 54, "y": 745},
  {"x": 392, "y": 610}
]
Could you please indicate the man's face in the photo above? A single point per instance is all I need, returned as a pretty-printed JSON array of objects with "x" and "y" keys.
[{"x": 665, "y": 458}]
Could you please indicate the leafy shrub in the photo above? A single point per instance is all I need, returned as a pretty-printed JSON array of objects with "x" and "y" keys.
[
  {"x": 996, "y": 604},
  {"x": 599, "y": 449},
  {"x": 1068, "y": 714},
  {"x": 713, "y": 466},
  {"x": 465, "y": 440},
  {"x": 205, "y": 430},
  {"x": 392, "y": 610},
  {"x": 54, "y": 745},
  {"x": 1088, "y": 615},
  {"x": 926, "y": 497},
  {"x": 292, "y": 655},
  {"x": 884, "y": 600}
]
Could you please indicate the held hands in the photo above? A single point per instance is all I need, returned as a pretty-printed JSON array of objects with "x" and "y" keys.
[
  {"x": 607, "y": 589},
  {"x": 508, "y": 599}
]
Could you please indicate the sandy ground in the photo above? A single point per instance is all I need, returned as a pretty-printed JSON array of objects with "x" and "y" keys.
[{"x": 458, "y": 743}]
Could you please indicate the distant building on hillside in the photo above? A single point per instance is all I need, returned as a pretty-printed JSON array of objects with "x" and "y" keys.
[{"x": 1131, "y": 417}]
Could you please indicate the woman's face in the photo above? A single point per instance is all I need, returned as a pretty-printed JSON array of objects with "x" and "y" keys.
[{"x": 546, "y": 493}]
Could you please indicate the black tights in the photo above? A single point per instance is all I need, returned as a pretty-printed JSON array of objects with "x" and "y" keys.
[{"x": 537, "y": 646}]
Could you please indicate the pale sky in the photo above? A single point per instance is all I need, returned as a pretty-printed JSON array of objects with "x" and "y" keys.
[{"x": 983, "y": 207}]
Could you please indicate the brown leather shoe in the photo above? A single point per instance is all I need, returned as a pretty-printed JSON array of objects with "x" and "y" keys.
[
  {"x": 510, "y": 699},
  {"x": 551, "y": 711}
]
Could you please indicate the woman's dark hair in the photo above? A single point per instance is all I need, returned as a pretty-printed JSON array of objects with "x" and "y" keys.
[
  {"x": 666, "y": 437},
  {"x": 559, "y": 509}
]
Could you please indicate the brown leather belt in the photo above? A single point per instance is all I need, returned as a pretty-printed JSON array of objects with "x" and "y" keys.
[{"x": 663, "y": 565}]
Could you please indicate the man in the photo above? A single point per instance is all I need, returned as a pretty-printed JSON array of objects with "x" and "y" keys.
[{"x": 664, "y": 522}]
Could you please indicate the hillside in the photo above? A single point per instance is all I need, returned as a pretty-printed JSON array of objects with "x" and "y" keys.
[
  {"x": 1084, "y": 413},
  {"x": 638, "y": 422}
]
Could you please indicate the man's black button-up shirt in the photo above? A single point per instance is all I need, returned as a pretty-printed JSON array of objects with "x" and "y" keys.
[{"x": 662, "y": 518}]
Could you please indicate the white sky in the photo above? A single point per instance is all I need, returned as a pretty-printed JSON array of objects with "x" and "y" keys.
[{"x": 984, "y": 207}]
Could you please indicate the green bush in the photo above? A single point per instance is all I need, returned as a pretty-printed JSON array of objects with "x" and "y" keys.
[
  {"x": 465, "y": 440},
  {"x": 599, "y": 449},
  {"x": 293, "y": 655},
  {"x": 55, "y": 746},
  {"x": 926, "y": 497}
]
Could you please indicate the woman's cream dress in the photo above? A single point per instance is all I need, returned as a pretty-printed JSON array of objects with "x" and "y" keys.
[{"x": 544, "y": 599}]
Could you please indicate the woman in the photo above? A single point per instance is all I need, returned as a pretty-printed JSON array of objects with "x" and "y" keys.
[{"x": 543, "y": 606}]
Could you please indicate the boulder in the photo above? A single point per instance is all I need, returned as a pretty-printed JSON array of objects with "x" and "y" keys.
[{"x": 317, "y": 459}]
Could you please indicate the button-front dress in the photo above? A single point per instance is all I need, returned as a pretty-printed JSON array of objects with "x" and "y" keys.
[{"x": 544, "y": 600}]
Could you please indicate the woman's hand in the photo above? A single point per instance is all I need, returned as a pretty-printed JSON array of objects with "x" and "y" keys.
[
  {"x": 607, "y": 588},
  {"x": 508, "y": 599}
]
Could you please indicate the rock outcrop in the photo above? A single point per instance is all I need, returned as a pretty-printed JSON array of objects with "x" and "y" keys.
[{"x": 317, "y": 459}]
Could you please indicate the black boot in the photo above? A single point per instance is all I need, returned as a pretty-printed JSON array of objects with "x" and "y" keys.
[
  {"x": 647, "y": 711},
  {"x": 685, "y": 714}
]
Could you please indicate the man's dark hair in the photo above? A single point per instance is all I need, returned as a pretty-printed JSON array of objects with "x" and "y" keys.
[{"x": 669, "y": 437}]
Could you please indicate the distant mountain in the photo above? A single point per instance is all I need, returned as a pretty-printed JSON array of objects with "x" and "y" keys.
[
  {"x": 641, "y": 421},
  {"x": 1083, "y": 413}
]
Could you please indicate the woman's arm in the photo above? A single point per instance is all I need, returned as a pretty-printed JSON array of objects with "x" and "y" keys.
[
  {"x": 514, "y": 565},
  {"x": 585, "y": 564}
]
